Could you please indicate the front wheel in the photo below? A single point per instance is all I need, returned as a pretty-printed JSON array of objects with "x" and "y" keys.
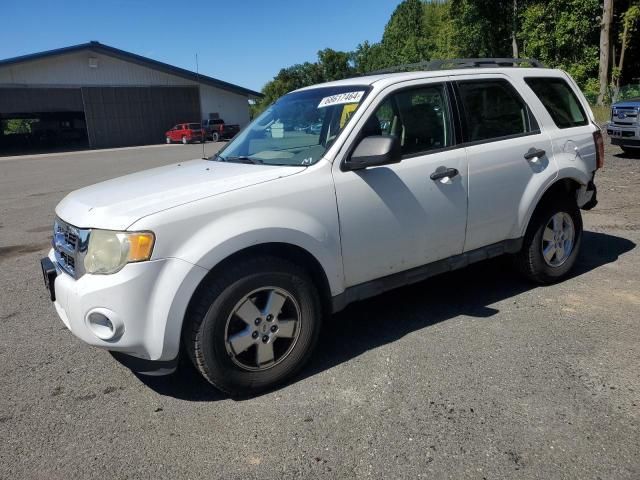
[
  {"x": 253, "y": 326},
  {"x": 552, "y": 241},
  {"x": 167, "y": 140},
  {"x": 215, "y": 137}
]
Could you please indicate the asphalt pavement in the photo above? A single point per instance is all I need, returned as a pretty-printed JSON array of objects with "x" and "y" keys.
[{"x": 475, "y": 374}]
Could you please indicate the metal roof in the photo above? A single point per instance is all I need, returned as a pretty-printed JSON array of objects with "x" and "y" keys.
[{"x": 98, "y": 47}]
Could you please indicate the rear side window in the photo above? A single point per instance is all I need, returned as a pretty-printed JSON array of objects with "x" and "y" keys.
[
  {"x": 493, "y": 110},
  {"x": 559, "y": 100}
]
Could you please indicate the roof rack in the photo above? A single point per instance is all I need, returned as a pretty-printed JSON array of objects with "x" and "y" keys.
[{"x": 455, "y": 63}]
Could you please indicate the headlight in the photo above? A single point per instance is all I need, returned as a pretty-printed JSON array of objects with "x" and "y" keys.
[{"x": 109, "y": 251}]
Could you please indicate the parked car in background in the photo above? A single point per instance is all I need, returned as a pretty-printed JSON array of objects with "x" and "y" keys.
[
  {"x": 216, "y": 129},
  {"x": 235, "y": 260},
  {"x": 314, "y": 128},
  {"x": 185, "y": 133},
  {"x": 624, "y": 127}
]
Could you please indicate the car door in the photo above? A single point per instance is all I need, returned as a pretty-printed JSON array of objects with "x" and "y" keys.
[
  {"x": 174, "y": 133},
  {"x": 396, "y": 217},
  {"x": 508, "y": 156}
]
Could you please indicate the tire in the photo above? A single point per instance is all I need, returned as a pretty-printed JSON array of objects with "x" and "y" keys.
[
  {"x": 531, "y": 259},
  {"x": 215, "y": 137},
  {"x": 184, "y": 140},
  {"x": 212, "y": 320},
  {"x": 167, "y": 140}
]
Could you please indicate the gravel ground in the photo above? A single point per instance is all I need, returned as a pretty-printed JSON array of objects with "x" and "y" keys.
[{"x": 474, "y": 374}]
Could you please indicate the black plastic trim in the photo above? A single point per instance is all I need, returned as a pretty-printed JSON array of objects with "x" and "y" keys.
[
  {"x": 146, "y": 367},
  {"x": 591, "y": 187},
  {"x": 49, "y": 274},
  {"x": 418, "y": 274}
]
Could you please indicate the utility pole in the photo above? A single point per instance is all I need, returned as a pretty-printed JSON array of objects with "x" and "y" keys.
[
  {"x": 605, "y": 29},
  {"x": 514, "y": 28}
]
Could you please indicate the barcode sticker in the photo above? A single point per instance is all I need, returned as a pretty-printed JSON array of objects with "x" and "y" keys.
[{"x": 340, "y": 98}]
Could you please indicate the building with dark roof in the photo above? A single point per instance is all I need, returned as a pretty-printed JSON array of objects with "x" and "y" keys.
[{"x": 106, "y": 97}]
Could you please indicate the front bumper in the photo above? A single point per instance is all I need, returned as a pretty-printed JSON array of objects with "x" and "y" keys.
[
  {"x": 624, "y": 136},
  {"x": 147, "y": 299}
]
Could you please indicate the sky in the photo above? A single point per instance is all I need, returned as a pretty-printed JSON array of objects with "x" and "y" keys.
[{"x": 242, "y": 42}]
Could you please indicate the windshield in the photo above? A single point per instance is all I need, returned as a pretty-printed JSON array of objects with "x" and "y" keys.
[
  {"x": 297, "y": 129},
  {"x": 194, "y": 126}
]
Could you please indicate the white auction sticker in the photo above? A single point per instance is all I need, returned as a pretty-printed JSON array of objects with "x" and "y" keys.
[{"x": 340, "y": 98}]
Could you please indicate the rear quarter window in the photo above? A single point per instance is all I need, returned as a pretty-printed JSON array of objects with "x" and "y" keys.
[{"x": 559, "y": 100}]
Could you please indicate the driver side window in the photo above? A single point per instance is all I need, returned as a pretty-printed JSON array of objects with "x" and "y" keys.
[{"x": 419, "y": 117}]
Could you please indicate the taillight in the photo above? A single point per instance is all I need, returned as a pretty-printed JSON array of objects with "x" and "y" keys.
[{"x": 599, "y": 142}]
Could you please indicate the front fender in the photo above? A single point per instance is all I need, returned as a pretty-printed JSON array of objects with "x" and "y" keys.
[
  {"x": 207, "y": 243},
  {"x": 231, "y": 234}
]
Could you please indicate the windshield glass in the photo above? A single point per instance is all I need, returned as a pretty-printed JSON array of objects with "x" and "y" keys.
[{"x": 297, "y": 129}]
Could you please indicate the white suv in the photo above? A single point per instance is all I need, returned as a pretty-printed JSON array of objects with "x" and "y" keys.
[{"x": 234, "y": 260}]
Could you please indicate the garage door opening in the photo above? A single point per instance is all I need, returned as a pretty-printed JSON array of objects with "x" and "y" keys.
[{"x": 42, "y": 132}]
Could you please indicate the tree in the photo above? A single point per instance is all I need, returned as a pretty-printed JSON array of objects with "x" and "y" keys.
[
  {"x": 334, "y": 65},
  {"x": 415, "y": 32},
  {"x": 605, "y": 49},
  {"x": 629, "y": 20},
  {"x": 404, "y": 39},
  {"x": 562, "y": 34},
  {"x": 481, "y": 28},
  {"x": 331, "y": 65}
]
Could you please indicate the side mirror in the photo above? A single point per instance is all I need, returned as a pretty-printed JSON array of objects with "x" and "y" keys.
[{"x": 374, "y": 151}]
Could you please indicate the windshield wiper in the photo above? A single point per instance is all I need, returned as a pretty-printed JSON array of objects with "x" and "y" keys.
[{"x": 243, "y": 159}]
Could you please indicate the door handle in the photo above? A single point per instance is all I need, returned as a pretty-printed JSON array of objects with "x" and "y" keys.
[
  {"x": 442, "y": 172},
  {"x": 534, "y": 154}
]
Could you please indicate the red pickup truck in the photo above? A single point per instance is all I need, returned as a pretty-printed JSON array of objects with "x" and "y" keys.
[{"x": 185, "y": 133}]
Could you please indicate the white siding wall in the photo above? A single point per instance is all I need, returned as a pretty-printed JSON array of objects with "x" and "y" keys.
[
  {"x": 73, "y": 69},
  {"x": 231, "y": 108}
]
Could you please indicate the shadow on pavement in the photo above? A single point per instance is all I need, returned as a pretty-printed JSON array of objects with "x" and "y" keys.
[
  {"x": 634, "y": 154},
  {"x": 369, "y": 324}
]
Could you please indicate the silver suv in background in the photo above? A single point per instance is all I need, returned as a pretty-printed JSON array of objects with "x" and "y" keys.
[{"x": 624, "y": 127}]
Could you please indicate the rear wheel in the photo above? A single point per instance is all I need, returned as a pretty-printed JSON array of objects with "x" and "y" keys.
[
  {"x": 253, "y": 326},
  {"x": 552, "y": 241},
  {"x": 215, "y": 137},
  {"x": 184, "y": 140}
]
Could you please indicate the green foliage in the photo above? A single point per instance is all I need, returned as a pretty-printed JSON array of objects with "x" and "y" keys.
[
  {"x": 481, "y": 28},
  {"x": 563, "y": 34},
  {"x": 416, "y": 31},
  {"x": 16, "y": 126},
  {"x": 331, "y": 65},
  {"x": 560, "y": 33}
]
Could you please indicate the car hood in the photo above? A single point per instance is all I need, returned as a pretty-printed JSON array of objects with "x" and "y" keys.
[
  {"x": 118, "y": 203},
  {"x": 631, "y": 102}
]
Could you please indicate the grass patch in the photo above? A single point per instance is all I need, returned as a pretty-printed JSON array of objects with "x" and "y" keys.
[{"x": 602, "y": 114}]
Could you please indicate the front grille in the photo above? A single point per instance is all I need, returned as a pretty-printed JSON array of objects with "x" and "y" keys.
[
  {"x": 624, "y": 115},
  {"x": 69, "y": 245}
]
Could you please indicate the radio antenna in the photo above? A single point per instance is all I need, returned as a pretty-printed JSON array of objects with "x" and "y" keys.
[{"x": 204, "y": 138}]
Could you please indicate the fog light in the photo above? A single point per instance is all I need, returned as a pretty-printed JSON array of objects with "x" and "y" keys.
[{"x": 105, "y": 324}]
